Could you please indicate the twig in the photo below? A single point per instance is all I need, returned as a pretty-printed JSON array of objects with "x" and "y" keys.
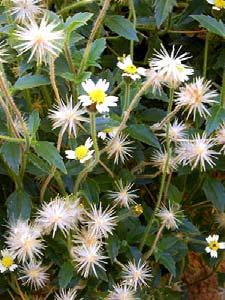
[{"x": 52, "y": 79}]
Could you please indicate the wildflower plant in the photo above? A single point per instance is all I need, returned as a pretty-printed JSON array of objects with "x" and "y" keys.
[{"x": 112, "y": 143}]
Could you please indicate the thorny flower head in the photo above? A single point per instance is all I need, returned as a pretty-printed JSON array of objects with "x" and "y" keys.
[
  {"x": 177, "y": 131},
  {"x": 159, "y": 160},
  {"x": 69, "y": 294},
  {"x": 171, "y": 216},
  {"x": 122, "y": 292},
  {"x": 25, "y": 10},
  {"x": 119, "y": 148}
]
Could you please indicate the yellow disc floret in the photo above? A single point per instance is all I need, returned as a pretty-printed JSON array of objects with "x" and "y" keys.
[
  {"x": 180, "y": 68},
  {"x": 131, "y": 69},
  {"x": 7, "y": 261},
  {"x": 214, "y": 245},
  {"x": 81, "y": 152},
  {"x": 219, "y": 3},
  {"x": 138, "y": 209},
  {"x": 97, "y": 96}
]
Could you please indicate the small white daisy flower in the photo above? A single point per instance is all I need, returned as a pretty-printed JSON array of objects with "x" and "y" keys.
[
  {"x": 129, "y": 69},
  {"x": 60, "y": 213},
  {"x": 88, "y": 258},
  {"x": 101, "y": 223},
  {"x": 159, "y": 158},
  {"x": 195, "y": 96},
  {"x": 197, "y": 151},
  {"x": 24, "y": 241},
  {"x": 171, "y": 67},
  {"x": 34, "y": 274},
  {"x": 122, "y": 292},
  {"x": 82, "y": 152},
  {"x": 177, "y": 131},
  {"x": 68, "y": 117},
  {"x": 69, "y": 294},
  {"x": 43, "y": 40},
  {"x": 214, "y": 245},
  {"x": 136, "y": 274},
  {"x": 25, "y": 10},
  {"x": 217, "y": 4},
  {"x": 220, "y": 137},
  {"x": 111, "y": 132},
  {"x": 96, "y": 95},
  {"x": 125, "y": 196},
  {"x": 170, "y": 216},
  {"x": 119, "y": 147},
  {"x": 7, "y": 261}
]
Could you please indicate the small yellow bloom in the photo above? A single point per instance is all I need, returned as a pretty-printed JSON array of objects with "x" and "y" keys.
[
  {"x": 81, "y": 152},
  {"x": 97, "y": 96},
  {"x": 138, "y": 209}
]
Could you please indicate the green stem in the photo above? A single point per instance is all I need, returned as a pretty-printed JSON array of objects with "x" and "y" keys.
[
  {"x": 163, "y": 180},
  {"x": 46, "y": 96},
  {"x": 11, "y": 139},
  {"x": 94, "y": 135},
  {"x": 127, "y": 96},
  {"x": 28, "y": 100},
  {"x": 222, "y": 97},
  {"x": 92, "y": 164},
  {"x": 206, "y": 55},
  {"x": 158, "y": 235},
  {"x": 133, "y": 13},
  {"x": 74, "y": 6},
  {"x": 94, "y": 31}
]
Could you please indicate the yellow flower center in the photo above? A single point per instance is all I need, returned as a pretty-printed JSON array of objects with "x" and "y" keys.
[
  {"x": 7, "y": 261},
  {"x": 131, "y": 69},
  {"x": 138, "y": 209},
  {"x": 108, "y": 130},
  {"x": 214, "y": 245},
  {"x": 81, "y": 152},
  {"x": 219, "y": 3},
  {"x": 97, "y": 96},
  {"x": 180, "y": 68}
]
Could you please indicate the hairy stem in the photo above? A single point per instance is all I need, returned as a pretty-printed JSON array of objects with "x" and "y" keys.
[
  {"x": 165, "y": 171},
  {"x": 94, "y": 135},
  {"x": 133, "y": 13},
  {"x": 52, "y": 79},
  {"x": 127, "y": 96},
  {"x": 151, "y": 251},
  {"x": 74, "y": 6},
  {"x": 95, "y": 29}
]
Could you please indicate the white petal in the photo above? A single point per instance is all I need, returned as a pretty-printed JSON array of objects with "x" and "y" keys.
[
  {"x": 120, "y": 65},
  {"x": 211, "y": 1},
  {"x": 213, "y": 253},
  {"x": 141, "y": 71},
  {"x": 85, "y": 100},
  {"x": 128, "y": 61},
  {"x": 216, "y": 8},
  {"x": 207, "y": 249},
  {"x": 88, "y": 85},
  {"x": 102, "y": 84},
  {"x": 215, "y": 237},
  {"x": 209, "y": 239},
  {"x": 70, "y": 154},
  {"x": 102, "y": 135},
  {"x": 88, "y": 143},
  {"x": 222, "y": 245}
]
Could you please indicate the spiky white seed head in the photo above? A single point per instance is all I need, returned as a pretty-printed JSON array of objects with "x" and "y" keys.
[
  {"x": 136, "y": 274},
  {"x": 122, "y": 292},
  {"x": 194, "y": 97},
  {"x": 159, "y": 161},
  {"x": 101, "y": 222},
  {"x": 87, "y": 258},
  {"x": 60, "y": 213},
  {"x": 119, "y": 148},
  {"x": 34, "y": 274},
  {"x": 25, "y": 10},
  {"x": 170, "y": 216},
  {"x": 171, "y": 67},
  {"x": 125, "y": 196},
  {"x": 197, "y": 151},
  {"x": 177, "y": 131},
  {"x": 63, "y": 294},
  {"x": 67, "y": 116},
  {"x": 24, "y": 241},
  {"x": 45, "y": 40}
]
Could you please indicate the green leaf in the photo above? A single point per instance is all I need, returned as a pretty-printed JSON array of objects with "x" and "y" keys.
[
  {"x": 113, "y": 246},
  {"x": 123, "y": 27},
  {"x": 38, "y": 163},
  {"x": 167, "y": 261},
  {"x": 174, "y": 194},
  {"x": 211, "y": 24},
  {"x": 18, "y": 206},
  {"x": 91, "y": 190},
  {"x": 33, "y": 122},
  {"x": 76, "y": 21},
  {"x": 11, "y": 155},
  {"x": 30, "y": 81},
  {"x": 65, "y": 274},
  {"x": 217, "y": 117},
  {"x": 48, "y": 152},
  {"x": 142, "y": 133},
  {"x": 215, "y": 192},
  {"x": 162, "y": 10},
  {"x": 97, "y": 48}
]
